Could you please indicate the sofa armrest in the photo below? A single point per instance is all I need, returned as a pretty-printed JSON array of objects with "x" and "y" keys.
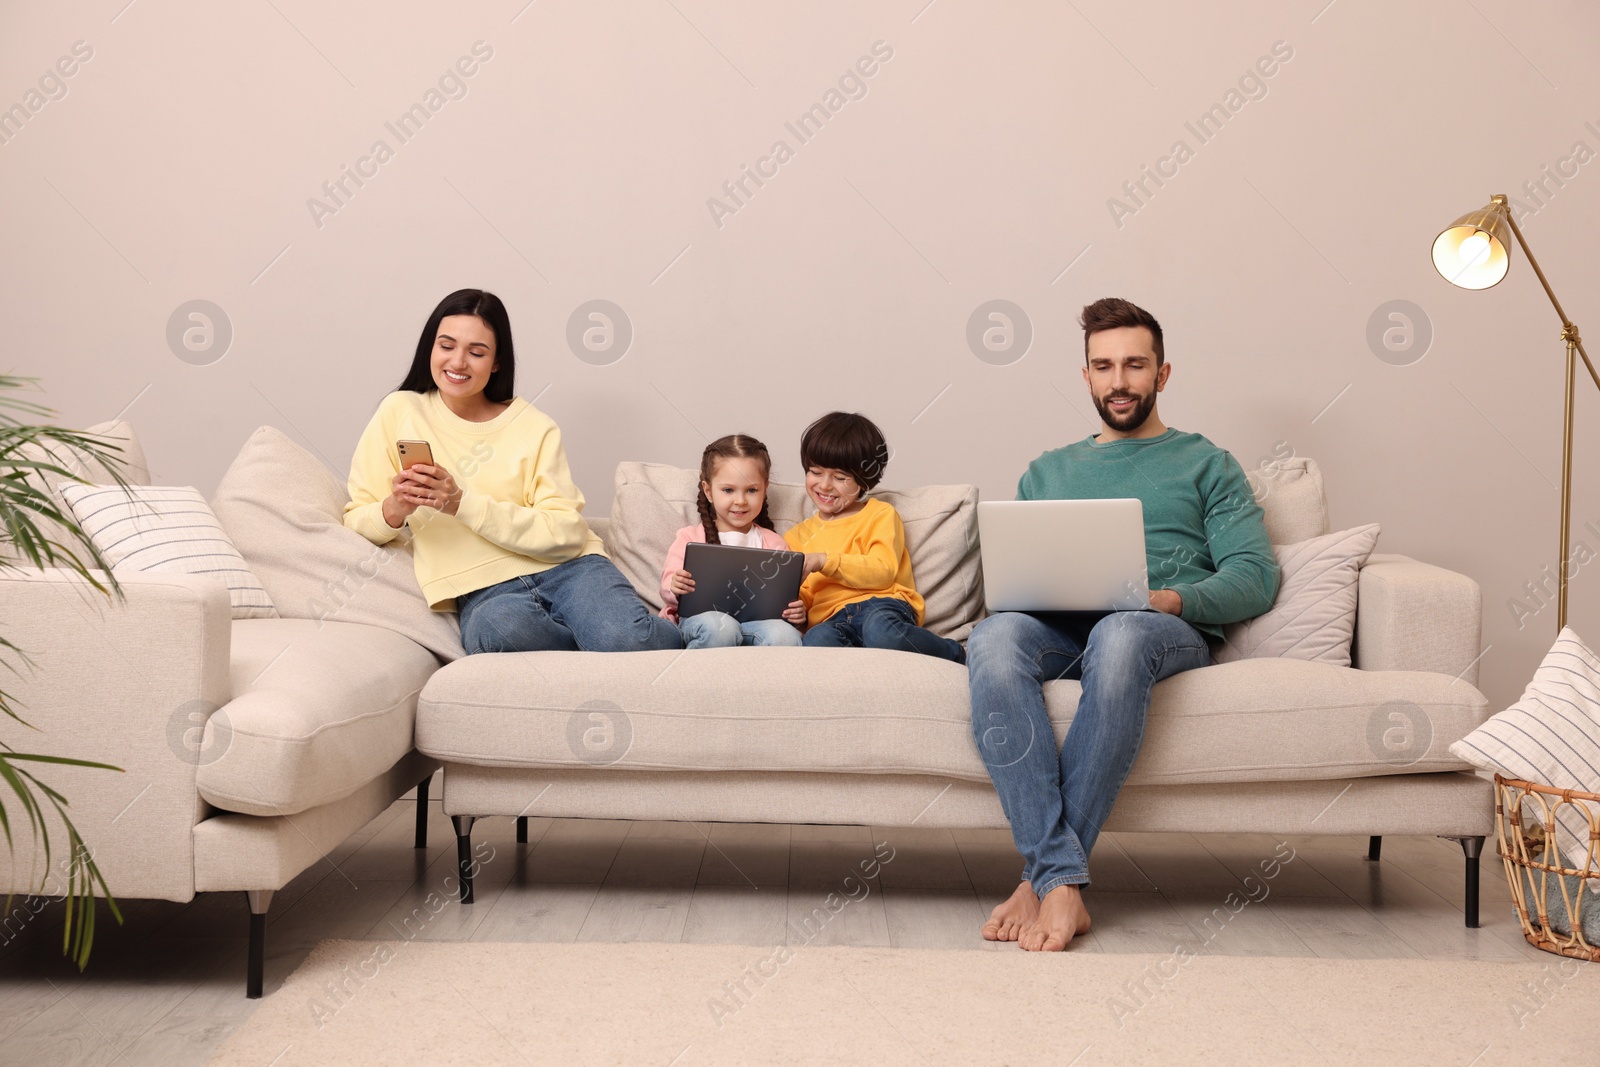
[
  {"x": 1413, "y": 616},
  {"x": 128, "y": 682}
]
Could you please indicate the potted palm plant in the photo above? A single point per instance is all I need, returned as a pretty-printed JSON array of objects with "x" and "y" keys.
[{"x": 37, "y": 532}]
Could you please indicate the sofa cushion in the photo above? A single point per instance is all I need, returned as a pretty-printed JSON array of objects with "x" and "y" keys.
[
  {"x": 897, "y": 713},
  {"x": 319, "y": 709},
  {"x": 1290, "y": 493},
  {"x": 285, "y": 512},
  {"x": 654, "y": 501},
  {"x": 1314, "y": 614}
]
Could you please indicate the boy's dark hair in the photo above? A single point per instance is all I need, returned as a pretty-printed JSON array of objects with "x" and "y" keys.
[
  {"x": 847, "y": 442},
  {"x": 1112, "y": 312},
  {"x": 733, "y": 446}
]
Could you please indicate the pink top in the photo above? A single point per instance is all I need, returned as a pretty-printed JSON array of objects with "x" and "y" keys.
[{"x": 697, "y": 532}]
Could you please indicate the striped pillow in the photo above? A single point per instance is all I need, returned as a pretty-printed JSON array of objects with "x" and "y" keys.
[
  {"x": 1551, "y": 736},
  {"x": 164, "y": 528}
]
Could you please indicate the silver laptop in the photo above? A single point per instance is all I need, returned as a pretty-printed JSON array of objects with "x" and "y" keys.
[{"x": 1063, "y": 555}]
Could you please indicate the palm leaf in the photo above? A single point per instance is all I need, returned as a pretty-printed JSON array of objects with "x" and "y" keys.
[
  {"x": 30, "y": 456},
  {"x": 29, "y": 757}
]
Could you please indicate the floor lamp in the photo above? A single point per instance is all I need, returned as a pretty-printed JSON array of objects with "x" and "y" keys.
[{"x": 1474, "y": 252}]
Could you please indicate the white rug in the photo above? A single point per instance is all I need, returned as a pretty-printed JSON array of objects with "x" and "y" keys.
[{"x": 360, "y": 1002}]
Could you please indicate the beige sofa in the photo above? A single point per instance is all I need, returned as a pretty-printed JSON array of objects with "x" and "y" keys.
[
  {"x": 252, "y": 748},
  {"x": 249, "y": 748},
  {"x": 873, "y": 737}
]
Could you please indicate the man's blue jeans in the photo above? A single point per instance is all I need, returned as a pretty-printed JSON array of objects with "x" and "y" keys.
[
  {"x": 881, "y": 622},
  {"x": 717, "y": 629},
  {"x": 1057, "y": 802},
  {"x": 584, "y": 604}
]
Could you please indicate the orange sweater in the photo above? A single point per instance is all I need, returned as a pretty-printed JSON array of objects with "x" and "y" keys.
[{"x": 867, "y": 557}]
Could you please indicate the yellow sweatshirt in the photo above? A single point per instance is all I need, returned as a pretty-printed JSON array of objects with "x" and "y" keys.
[
  {"x": 867, "y": 557},
  {"x": 519, "y": 512}
]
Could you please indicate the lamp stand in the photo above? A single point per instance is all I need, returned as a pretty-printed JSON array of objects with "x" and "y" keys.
[{"x": 1569, "y": 334}]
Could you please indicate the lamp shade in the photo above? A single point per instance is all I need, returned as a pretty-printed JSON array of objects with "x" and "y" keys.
[{"x": 1474, "y": 251}]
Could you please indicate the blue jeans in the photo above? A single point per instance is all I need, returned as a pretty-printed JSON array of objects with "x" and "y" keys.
[
  {"x": 1057, "y": 802},
  {"x": 716, "y": 629},
  {"x": 584, "y": 604},
  {"x": 881, "y": 622}
]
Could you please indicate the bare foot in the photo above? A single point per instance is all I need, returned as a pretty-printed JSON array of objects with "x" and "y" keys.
[
  {"x": 1006, "y": 921},
  {"x": 1060, "y": 918}
]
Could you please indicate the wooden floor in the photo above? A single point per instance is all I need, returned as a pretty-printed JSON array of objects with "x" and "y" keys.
[{"x": 168, "y": 986}]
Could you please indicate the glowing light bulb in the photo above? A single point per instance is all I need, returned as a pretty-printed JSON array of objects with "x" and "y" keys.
[{"x": 1474, "y": 250}]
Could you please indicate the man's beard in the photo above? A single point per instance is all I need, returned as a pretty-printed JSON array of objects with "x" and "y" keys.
[{"x": 1130, "y": 422}]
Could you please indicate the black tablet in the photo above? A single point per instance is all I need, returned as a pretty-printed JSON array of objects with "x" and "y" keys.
[{"x": 748, "y": 583}]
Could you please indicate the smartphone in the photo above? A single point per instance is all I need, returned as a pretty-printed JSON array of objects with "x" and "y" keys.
[{"x": 413, "y": 453}]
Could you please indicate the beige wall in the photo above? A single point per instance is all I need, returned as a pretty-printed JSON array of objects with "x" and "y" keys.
[{"x": 977, "y": 165}]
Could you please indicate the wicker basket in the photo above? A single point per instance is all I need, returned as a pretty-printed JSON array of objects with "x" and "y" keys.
[{"x": 1537, "y": 867}]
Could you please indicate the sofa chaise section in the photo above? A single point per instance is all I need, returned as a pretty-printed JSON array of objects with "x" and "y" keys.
[{"x": 249, "y": 749}]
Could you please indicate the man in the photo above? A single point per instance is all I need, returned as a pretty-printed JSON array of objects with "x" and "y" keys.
[{"x": 1209, "y": 564}]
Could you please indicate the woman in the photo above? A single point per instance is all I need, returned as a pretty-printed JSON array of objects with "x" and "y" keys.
[{"x": 497, "y": 523}]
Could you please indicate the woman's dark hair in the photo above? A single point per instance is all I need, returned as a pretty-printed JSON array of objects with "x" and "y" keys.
[
  {"x": 847, "y": 442},
  {"x": 486, "y": 306},
  {"x": 734, "y": 446}
]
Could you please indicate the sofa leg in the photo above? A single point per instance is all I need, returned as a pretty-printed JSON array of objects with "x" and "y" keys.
[
  {"x": 422, "y": 811},
  {"x": 1473, "y": 847},
  {"x": 464, "y": 854},
  {"x": 1374, "y": 848},
  {"x": 256, "y": 965},
  {"x": 522, "y": 829}
]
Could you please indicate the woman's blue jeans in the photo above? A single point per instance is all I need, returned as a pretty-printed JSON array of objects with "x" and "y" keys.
[
  {"x": 1057, "y": 802},
  {"x": 584, "y": 604}
]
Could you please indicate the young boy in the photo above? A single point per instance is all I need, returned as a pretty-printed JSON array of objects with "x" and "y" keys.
[{"x": 858, "y": 589}]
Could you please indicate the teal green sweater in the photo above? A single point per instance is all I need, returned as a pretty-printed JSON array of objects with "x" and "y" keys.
[{"x": 1204, "y": 534}]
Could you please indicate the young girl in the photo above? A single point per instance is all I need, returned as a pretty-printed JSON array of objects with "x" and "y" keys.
[
  {"x": 497, "y": 525},
  {"x": 858, "y": 591},
  {"x": 733, "y": 511}
]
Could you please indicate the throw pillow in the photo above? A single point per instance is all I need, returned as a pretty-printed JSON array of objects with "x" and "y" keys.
[
  {"x": 942, "y": 535},
  {"x": 1550, "y": 737},
  {"x": 1314, "y": 615},
  {"x": 285, "y": 512},
  {"x": 654, "y": 500},
  {"x": 165, "y": 528},
  {"x": 1289, "y": 491},
  {"x": 119, "y": 440}
]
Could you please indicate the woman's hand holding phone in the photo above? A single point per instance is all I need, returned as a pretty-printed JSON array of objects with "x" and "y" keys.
[
  {"x": 396, "y": 507},
  {"x": 421, "y": 485}
]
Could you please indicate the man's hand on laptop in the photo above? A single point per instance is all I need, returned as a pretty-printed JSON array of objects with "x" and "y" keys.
[{"x": 1166, "y": 600}]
